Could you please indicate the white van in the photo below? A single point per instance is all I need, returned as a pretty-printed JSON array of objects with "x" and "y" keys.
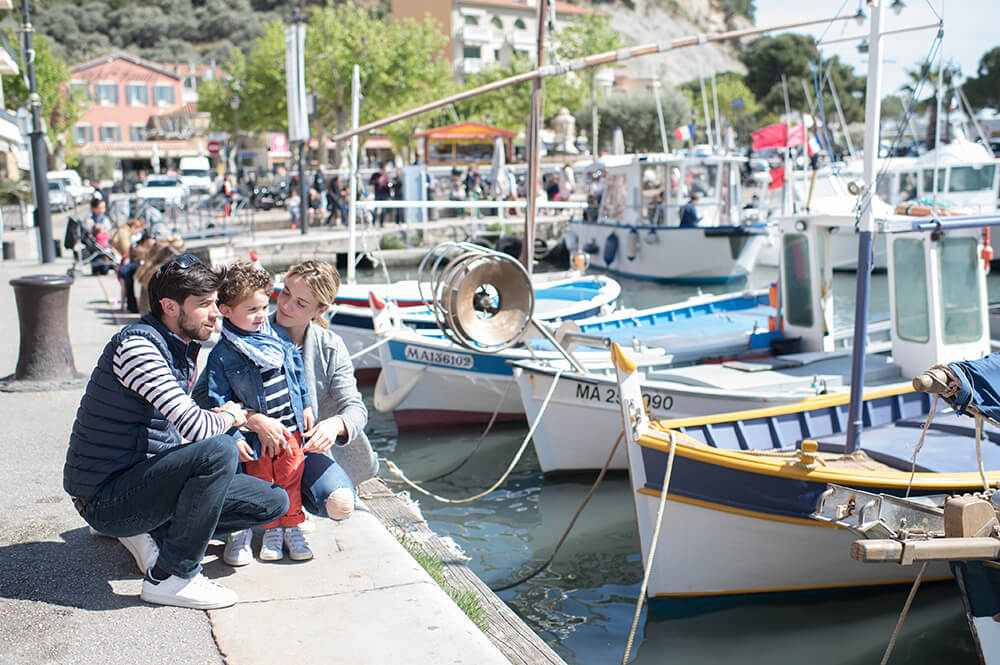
[
  {"x": 196, "y": 174},
  {"x": 74, "y": 185}
]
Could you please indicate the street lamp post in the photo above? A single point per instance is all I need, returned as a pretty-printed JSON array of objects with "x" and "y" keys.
[
  {"x": 39, "y": 160},
  {"x": 234, "y": 103}
]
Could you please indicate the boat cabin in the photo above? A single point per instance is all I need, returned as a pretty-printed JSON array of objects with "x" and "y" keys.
[
  {"x": 961, "y": 173},
  {"x": 937, "y": 287},
  {"x": 649, "y": 190}
]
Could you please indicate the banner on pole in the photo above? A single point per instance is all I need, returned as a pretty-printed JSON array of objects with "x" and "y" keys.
[{"x": 298, "y": 113}]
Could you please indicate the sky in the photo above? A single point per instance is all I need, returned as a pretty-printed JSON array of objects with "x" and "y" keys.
[{"x": 970, "y": 29}]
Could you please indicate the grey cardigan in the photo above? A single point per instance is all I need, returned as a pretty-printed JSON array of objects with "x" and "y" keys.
[{"x": 334, "y": 390}]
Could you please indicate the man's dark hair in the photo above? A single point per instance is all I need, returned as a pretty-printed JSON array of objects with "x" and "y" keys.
[
  {"x": 177, "y": 283},
  {"x": 96, "y": 201}
]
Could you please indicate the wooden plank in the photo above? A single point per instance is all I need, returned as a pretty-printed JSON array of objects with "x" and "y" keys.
[
  {"x": 512, "y": 637},
  {"x": 936, "y": 549}
]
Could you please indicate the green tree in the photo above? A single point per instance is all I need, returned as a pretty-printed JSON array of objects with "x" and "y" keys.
[
  {"x": 636, "y": 115},
  {"x": 510, "y": 107},
  {"x": 892, "y": 108},
  {"x": 730, "y": 87},
  {"x": 984, "y": 89},
  {"x": 61, "y": 107}
]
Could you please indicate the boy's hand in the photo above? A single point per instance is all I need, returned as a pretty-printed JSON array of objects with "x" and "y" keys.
[
  {"x": 308, "y": 419},
  {"x": 246, "y": 452},
  {"x": 324, "y": 434},
  {"x": 270, "y": 432}
]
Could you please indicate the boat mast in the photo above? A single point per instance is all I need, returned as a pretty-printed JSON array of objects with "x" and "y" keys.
[
  {"x": 534, "y": 144},
  {"x": 873, "y": 104}
]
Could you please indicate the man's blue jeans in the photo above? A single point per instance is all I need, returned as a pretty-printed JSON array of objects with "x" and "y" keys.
[{"x": 181, "y": 498}]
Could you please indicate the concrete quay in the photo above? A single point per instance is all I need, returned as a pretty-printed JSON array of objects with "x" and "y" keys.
[{"x": 69, "y": 597}]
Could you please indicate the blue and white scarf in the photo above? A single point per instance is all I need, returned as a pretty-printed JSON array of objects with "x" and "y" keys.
[{"x": 263, "y": 347}]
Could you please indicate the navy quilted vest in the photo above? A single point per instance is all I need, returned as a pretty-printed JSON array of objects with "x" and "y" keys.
[{"x": 115, "y": 428}]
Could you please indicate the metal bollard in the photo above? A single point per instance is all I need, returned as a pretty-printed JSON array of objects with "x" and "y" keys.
[{"x": 45, "y": 357}]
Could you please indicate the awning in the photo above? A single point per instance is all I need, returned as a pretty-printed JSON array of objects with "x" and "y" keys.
[
  {"x": 143, "y": 149},
  {"x": 9, "y": 132}
]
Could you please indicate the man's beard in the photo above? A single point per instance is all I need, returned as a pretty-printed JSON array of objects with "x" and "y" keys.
[{"x": 199, "y": 333}]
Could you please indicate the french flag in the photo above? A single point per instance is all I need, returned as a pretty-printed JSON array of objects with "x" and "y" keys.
[{"x": 684, "y": 133}]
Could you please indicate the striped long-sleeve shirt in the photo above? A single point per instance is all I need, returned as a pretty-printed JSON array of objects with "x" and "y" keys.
[{"x": 141, "y": 368}]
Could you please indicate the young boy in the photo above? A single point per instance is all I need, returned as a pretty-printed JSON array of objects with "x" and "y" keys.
[{"x": 251, "y": 365}]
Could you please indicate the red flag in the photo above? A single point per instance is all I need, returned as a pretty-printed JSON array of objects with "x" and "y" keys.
[
  {"x": 772, "y": 136},
  {"x": 796, "y": 135},
  {"x": 777, "y": 178}
]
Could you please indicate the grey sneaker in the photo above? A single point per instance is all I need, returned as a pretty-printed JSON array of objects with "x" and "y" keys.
[
  {"x": 199, "y": 593},
  {"x": 271, "y": 550},
  {"x": 144, "y": 550},
  {"x": 237, "y": 552},
  {"x": 298, "y": 546}
]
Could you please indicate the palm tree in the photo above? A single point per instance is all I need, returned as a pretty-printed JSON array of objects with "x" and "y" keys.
[{"x": 929, "y": 76}]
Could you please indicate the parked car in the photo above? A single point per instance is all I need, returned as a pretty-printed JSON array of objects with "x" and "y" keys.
[
  {"x": 162, "y": 192},
  {"x": 78, "y": 191},
  {"x": 59, "y": 197}
]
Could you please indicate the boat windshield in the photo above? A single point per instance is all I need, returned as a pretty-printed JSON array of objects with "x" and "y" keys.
[
  {"x": 971, "y": 178},
  {"x": 960, "y": 294},
  {"x": 798, "y": 283},
  {"x": 910, "y": 288}
]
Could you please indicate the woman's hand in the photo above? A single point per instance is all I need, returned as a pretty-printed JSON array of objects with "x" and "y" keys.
[
  {"x": 270, "y": 432},
  {"x": 324, "y": 434},
  {"x": 308, "y": 419}
]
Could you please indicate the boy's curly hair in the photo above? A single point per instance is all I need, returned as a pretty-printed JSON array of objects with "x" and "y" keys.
[{"x": 239, "y": 280}]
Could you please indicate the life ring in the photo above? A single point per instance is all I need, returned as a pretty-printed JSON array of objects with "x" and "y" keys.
[
  {"x": 914, "y": 209},
  {"x": 632, "y": 245},
  {"x": 611, "y": 248}
]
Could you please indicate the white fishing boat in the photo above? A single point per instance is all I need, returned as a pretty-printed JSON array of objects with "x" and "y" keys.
[
  {"x": 635, "y": 231},
  {"x": 429, "y": 380}
]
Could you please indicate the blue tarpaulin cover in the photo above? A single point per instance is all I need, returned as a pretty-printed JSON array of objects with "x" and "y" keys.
[{"x": 980, "y": 387}]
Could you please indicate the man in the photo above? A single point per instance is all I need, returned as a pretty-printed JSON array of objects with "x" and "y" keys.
[
  {"x": 689, "y": 211},
  {"x": 146, "y": 464},
  {"x": 379, "y": 183}
]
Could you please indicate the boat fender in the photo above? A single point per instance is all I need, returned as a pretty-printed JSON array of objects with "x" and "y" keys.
[
  {"x": 611, "y": 248},
  {"x": 632, "y": 245},
  {"x": 571, "y": 240},
  {"x": 591, "y": 247},
  {"x": 652, "y": 238}
]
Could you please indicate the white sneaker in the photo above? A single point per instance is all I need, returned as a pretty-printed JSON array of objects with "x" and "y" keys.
[
  {"x": 298, "y": 546},
  {"x": 271, "y": 550},
  {"x": 237, "y": 552},
  {"x": 309, "y": 524},
  {"x": 144, "y": 550},
  {"x": 199, "y": 593}
]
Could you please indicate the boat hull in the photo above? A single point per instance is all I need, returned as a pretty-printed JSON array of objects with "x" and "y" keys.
[{"x": 698, "y": 255}]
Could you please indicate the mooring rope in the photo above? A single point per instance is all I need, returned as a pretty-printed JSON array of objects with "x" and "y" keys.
[
  {"x": 920, "y": 444},
  {"x": 396, "y": 471},
  {"x": 652, "y": 550},
  {"x": 572, "y": 522},
  {"x": 377, "y": 344},
  {"x": 979, "y": 452},
  {"x": 902, "y": 614}
]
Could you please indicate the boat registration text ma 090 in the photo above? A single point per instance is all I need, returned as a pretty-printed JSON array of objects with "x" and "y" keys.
[{"x": 587, "y": 392}]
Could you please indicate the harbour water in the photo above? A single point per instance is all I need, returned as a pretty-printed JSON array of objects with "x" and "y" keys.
[{"x": 583, "y": 604}]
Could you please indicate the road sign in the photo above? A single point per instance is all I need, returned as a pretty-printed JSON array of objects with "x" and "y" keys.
[{"x": 214, "y": 147}]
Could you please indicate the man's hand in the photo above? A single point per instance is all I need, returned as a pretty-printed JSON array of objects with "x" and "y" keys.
[
  {"x": 270, "y": 432},
  {"x": 236, "y": 411},
  {"x": 324, "y": 434}
]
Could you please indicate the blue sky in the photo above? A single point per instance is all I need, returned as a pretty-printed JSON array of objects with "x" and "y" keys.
[{"x": 970, "y": 29}]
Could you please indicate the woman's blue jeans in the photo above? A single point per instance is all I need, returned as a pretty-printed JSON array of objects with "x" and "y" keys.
[
  {"x": 181, "y": 498},
  {"x": 320, "y": 477}
]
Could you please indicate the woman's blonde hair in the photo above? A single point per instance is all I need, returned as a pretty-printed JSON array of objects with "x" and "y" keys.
[{"x": 322, "y": 279}]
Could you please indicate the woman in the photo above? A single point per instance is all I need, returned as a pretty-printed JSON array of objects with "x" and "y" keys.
[{"x": 328, "y": 481}]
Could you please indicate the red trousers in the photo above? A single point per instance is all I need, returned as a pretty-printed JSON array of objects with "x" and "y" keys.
[{"x": 284, "y": 469}]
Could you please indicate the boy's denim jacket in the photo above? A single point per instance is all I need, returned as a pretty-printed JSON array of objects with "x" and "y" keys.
[{"x": 231, "y": 376}]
